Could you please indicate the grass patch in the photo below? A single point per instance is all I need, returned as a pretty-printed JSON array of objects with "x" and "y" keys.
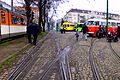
[
  {"x": 5, "y": 44},
  {"x": 8, "y": 62},
  {"x": 42, "y": 34},
  {"x": 18, "y": 42}
]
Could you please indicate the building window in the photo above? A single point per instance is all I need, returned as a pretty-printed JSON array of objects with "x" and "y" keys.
[
  {"x": 69, "y": 14},
  {"x": 74, "y": 15},
  {"x": 3, "y": 17}
]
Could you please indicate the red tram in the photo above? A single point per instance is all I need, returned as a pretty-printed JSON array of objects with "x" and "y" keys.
[{"x": 93, "y": 25}]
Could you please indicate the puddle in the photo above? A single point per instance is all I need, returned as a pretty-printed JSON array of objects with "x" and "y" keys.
[
  {"x": 73, "y": 70},
  {"x": 66, "y": 49},
  {"x": 41, "y": 71}
]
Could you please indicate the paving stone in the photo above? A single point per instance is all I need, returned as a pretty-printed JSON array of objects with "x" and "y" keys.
[{"x": 106, "y": 63}]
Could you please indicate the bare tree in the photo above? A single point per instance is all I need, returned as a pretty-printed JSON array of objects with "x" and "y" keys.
[
  {"x": 44, "y": 7},
  {"x": 28, "y": 10}
]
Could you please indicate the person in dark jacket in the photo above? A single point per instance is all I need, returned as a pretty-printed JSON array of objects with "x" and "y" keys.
[
  {"x": 77, "y": 35},
  {"x": 85, "y": 30},
  {"x": 33, "y": 30},
  {"x": 118, "y": 31},
  {"x": 100, "y": 32},
  {"x": 64, "y": 29}
]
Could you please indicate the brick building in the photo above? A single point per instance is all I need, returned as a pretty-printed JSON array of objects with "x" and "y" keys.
[{"x": 34, "y": 9}]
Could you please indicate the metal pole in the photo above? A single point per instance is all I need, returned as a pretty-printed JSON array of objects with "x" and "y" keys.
[
  {"x": 11, "y": 5},
  {"x": 78, "y": 17},
  {"x": 107, "y": 17}
]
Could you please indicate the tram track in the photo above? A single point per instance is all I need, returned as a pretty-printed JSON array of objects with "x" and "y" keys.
[
  {"x": 78, "y": 72},
  {"x": 25, "y": 62},
  {"x": 99, "y": 64},
  {"x": 30, "y": 59},
  {"x": 114, "y": 52},
  {"x": 64, "y": 68},
  {"x": 64, "y": 74},
  {"x": 101, "y": 67},
  {"x": 94, "y": 69},
  {"x": 46, "y": 68}
]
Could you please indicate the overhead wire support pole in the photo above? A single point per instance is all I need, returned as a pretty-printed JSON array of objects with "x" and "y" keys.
[
  {"x": 107, "y": 17},
  {"x": 11, "y": 5},
  {"x": 78, "y": 17}
]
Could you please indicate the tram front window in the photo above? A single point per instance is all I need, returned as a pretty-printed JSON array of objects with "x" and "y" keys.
[
  {"x": 71, "y": 25},
  {"x": 90, "y": 23}
]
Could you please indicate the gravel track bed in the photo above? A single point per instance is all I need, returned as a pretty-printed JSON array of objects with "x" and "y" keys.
[{"x": 107, "y": 64}]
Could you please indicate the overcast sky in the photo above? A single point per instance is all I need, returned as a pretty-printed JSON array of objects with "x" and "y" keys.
[{"x": 96, "y": 5}]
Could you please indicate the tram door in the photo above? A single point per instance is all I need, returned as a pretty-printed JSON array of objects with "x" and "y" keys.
[
  {"x": 5, "y": 29},
  {"x": 0, "y": 27},
  {"x": 0, "y": 31}
]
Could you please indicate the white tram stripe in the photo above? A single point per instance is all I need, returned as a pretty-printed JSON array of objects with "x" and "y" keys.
[{"x": 13, "y": 29}]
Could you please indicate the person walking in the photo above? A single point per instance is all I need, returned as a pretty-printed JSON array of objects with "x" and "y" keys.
[
  {"x": 85, "y": 30},
  {"x": 104, "y": 31},
  {"x": 77, "y": 35},
  {"x": 100, "y": 32},
  {"x": 118, "y": 31},
  {"x": 33, "y": 30},
  {"x": 64, "y": 29},
  {"x": 61, "y": 29}
]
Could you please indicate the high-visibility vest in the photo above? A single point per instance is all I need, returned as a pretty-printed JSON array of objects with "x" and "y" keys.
[
  {"x": 61, "y": 27},
  {"x": 64, "y": 28}
]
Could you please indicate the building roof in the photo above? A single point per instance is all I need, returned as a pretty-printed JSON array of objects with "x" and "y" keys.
[
  {"x": 88, "y": 11},
  {"x": 79, "y": 10}
]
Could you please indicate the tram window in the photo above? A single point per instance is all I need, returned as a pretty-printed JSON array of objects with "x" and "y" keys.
[
  {"x": 103, "y": 23},
  {"x": 79, "y": 25},
  {"x": 64, "y": 25},
  {"x": 87, "y": 23},
  {"x": 14, "y": 19},
  {"x": 109, "y": 24},
  {"x": 118, "y": 24},
  {"x": 71, "y": 25},
  {"x": 90, "y": 22},
  {"x": 113, "y": 24},
  {"x": 23, "y": 21},
  {"x": 3, "y": 17},
  {"x": 96, "y": 23},
  {"x": 18, "y": 20}
]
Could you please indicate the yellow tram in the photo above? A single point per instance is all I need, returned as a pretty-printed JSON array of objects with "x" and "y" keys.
[{"x": 68, "y": 26}]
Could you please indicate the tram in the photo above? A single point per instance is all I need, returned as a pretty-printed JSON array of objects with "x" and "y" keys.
[
  {"x": 69, "y": 26},
  {"x": 93, "y": 25},
  {"x": 79, "y": 26},
  {"x": 11, "y": 23}
]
